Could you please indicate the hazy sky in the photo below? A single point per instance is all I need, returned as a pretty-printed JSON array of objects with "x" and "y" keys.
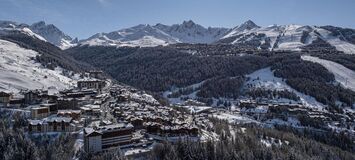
[{"x": 83, "y": 18}]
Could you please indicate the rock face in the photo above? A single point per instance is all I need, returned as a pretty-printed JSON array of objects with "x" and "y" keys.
[{"x": 52, "y": 34}]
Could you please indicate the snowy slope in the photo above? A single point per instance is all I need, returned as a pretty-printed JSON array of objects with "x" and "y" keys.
[
  {"x": 159, "y": 34},
  {"x": 284, "y": 37},
  {"x": 248, "y": 26},
  {"x": 291, "y": 37},
  {"x": 264, "y": 78},
  {"x": 340, "y": 45},
  {"x": 19, "y": 71},
  {"x": 141, "y": 35},
  {"x": 343, "y": 75}
]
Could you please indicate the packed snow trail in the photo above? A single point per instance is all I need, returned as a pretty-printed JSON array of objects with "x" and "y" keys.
[{"x": 343, "y": 75}]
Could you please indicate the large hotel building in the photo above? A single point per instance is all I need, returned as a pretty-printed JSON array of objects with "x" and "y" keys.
[{"x": 106, "y": 137}]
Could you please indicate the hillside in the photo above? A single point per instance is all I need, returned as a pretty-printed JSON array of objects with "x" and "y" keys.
[
  {"x": 19, "y": 70},
  {"x": 162, "y": 69},
  {"x": 31, "y": 63},
  {"x": 289, "y": 37}
]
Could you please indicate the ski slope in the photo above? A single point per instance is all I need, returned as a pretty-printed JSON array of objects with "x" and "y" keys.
[
  {"x": 343, "y": 75},
  {"x": 19, "y": 71},
  {"x": 264, "y": 78},
  {"x": 340, "y": 45}
]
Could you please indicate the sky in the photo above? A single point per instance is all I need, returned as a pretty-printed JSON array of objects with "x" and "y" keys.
[{"x": 83, "y": 18}]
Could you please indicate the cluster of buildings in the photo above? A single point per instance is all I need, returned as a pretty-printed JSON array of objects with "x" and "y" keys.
[
  {"x": 55, "y": 111},
  {"x": 51, "y": 124},
  {"x": 109, "y": 116},
  {"x": 139, "y": 119}
]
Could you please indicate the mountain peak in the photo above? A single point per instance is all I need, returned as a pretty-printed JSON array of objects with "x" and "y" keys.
[
  {"x": 248, "y": 25},
  {"x": 249, "y": 22},
  {"x": 39, "y": 24},
  {"x": 189, "y": 23},
  {"x": 52, "y": 34}
]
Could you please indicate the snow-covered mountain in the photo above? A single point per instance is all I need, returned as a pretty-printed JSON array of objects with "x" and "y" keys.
[
  {"x": 9, "y": 27},
  {"x": 140, "y": 35},
  {"x": 274, "y": 37},
  {"x": 190, "y": 32},
  {"x": 289, "y": 37},
  {"x": 40, "y": 30},
  {"x": 159, "y": 34},
  {"x": 53, "y": 35}
]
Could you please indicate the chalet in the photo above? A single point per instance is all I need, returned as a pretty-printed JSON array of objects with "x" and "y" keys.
[
  {"x": 5, "y": 98},
  {"x": 53, "y": 108},
  {"x": 74, "y": 114},
  {"x": 90, "y": 109},
  {"x": 122, "y": 98},
  {"x": 67, "y": 103},
  {"x": 91, "y": 84},
  {"x": 39, "y": 112},
  {"x": 137, "y": 122},
  {"x": 32, "y": 97},
  {"x": 107, "y": 137},
  {"x": 247, "y": 103},
  {"x": 51, "y": 124},
  {"x": 45, "y": 96},
  {"x": 96, "y": 74},
  {"x": 17, "y": 102}
]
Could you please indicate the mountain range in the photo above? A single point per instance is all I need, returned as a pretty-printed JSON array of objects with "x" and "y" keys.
[
  {"x": 274, "y": 37},
  {"x": 46, "y": 32},
  {"x": 159, "y": 34}
]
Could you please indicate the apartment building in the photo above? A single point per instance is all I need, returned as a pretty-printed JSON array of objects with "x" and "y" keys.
[{"x": 107, "y": 137}]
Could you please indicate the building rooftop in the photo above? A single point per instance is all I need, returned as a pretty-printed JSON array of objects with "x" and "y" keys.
[
  {"x": 49, "y": 119},
  {"x": 69, "y": 111},
  {"x": 101, "y": 129},
  {"x": 4, "y": 94},
  {"x": 89, "y": 80}
]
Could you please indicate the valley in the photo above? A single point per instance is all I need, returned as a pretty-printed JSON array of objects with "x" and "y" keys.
[{"x": 149, "y": 90}]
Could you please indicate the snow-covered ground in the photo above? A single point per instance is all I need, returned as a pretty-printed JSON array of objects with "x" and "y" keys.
[
  {"x": 18, "y": 70},
  {"x": 343, "y": 75},
  {"x": 206, "y": 135},
  {"x": 144, "y": 98},
  {"x": 340, "y": 45},
  {"x": 269, "y": 141},
  {"x": 178, "y": 100},
  {"x": 290, "y": 122},
  {"x": 292, "y": 35},
  {"x": 145, "y": 41},
  {"x": 234, "y": 118},
  {"x": 196, "y": 109},
  {"x": 282, "y": 37},
  {"x": 289, "y": 37},
  {"x": 264, "y": 78}
]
